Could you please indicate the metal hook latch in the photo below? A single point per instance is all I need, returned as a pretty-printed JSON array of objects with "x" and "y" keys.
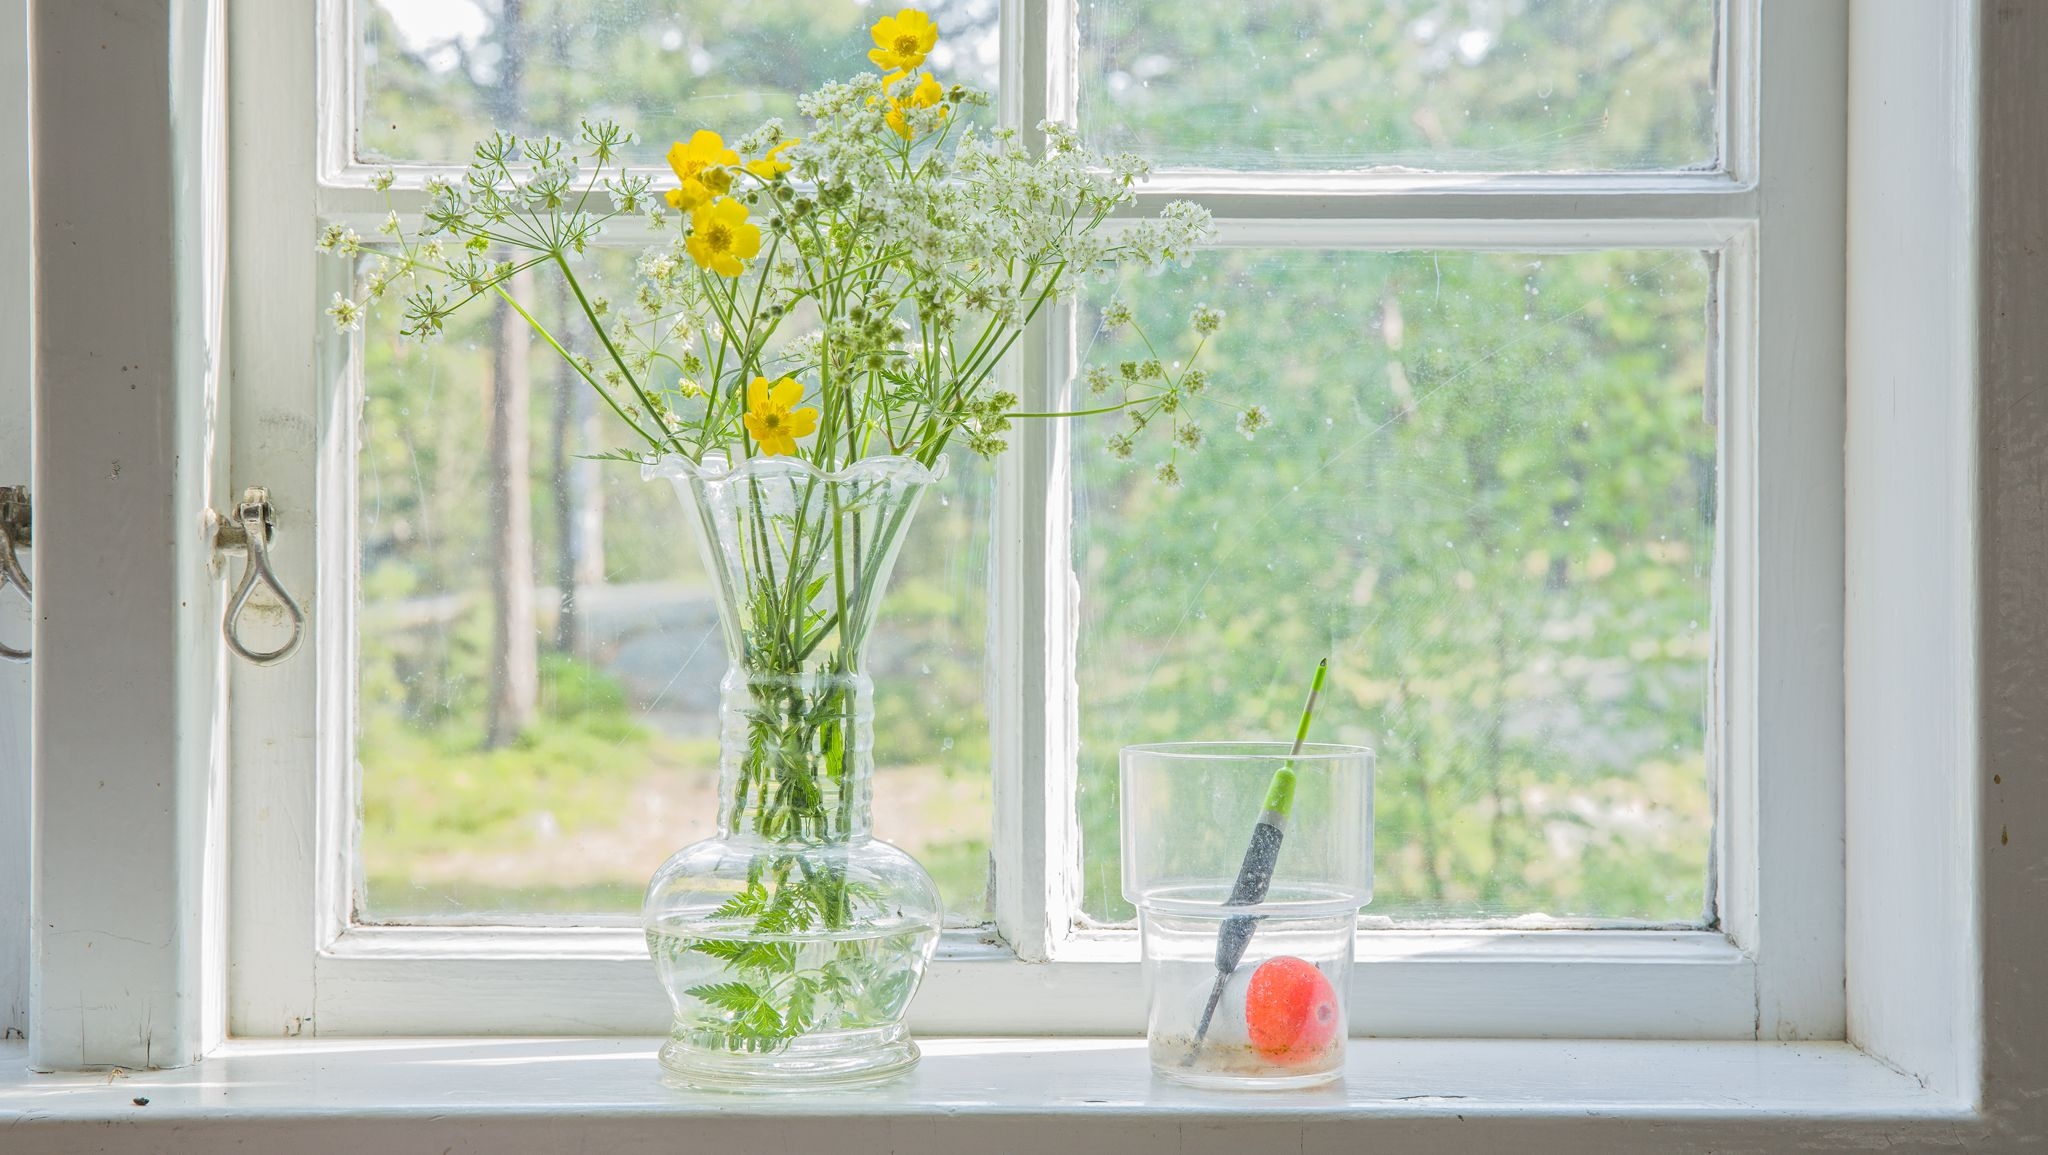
[
  {"x": 249, "y": 533},
  {"x": 15, "y": 527}
]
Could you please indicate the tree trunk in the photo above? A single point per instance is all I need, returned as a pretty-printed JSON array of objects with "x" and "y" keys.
[
  {"x": 515, "y": 650},
  {"x": 577, "y": 492}
]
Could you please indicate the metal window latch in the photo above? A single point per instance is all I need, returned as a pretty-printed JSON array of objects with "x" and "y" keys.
[
  {"x": 248, "y": 532},
  {"x": 15, "y": 527}
]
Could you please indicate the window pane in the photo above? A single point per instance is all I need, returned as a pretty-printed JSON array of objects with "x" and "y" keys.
[
  {"x": 1465, "y": 85},
  {"x": 438, "y": 74},
  {"x": 606, "y": 760},
  {"x": 1488, "y": 497}
]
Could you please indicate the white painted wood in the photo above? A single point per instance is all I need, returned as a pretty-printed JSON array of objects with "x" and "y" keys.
[
  {"x": 511, "y": 1096},
  {"x": 198, "y": 116},
  {"x": 1461, "y": 983},
  {"x": 1520, "y": 235},
  {"x": 1478, "y": 202},
  {"x": 15, "y": 469},
  {"x": 1785, "y": 809},
  {"x": 1739, "y": 111},
  {"x": 286, "y": 404},
  {"x": 1017, "y": 669},
  {"x": 1910, "y": 659},
  {"x": 127, "y": 672}
]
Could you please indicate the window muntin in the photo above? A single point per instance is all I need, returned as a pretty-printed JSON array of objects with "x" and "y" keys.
[
  {"x": 1466, "y": 86},
  {"x": 1488, "y": 494}
]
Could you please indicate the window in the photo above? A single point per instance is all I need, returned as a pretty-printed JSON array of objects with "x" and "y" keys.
[{"x": 1495, "y": 268}]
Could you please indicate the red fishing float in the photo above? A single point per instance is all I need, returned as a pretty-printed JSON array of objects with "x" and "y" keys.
[{"x": 1290, "y": 1010}]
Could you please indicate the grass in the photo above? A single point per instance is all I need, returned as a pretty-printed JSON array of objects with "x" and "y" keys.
[{"x": 441, "y": 815}]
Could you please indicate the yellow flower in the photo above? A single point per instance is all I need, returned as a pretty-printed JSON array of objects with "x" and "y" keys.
[
  {"x": 902, "y": 40},
  {"x": 774, "y": 425},
  {"x": 927, "y": 93},
  {"x": 704, "y": 166},
  {"x": 720, "y": 237},
  {"x": 771, "y": 165}
]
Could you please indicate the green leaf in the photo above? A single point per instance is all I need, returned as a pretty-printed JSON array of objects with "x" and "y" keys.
[
  {"x": 722, "y": 948},
  {"x": 748, "y": 955},
  {"x": 736, "y": 998},
  {"x": 803, "y": 1006},
  {"x": 745, "y": 904},
  {"x": 889, "y": 993},
  {"x": 775, "y": 958},
  {"x": 788, "y": 912},
  {"x": 765, "y": 1022}
]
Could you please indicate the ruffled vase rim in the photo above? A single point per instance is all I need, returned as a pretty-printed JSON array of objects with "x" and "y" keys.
[{"x": 717, "y": 468}]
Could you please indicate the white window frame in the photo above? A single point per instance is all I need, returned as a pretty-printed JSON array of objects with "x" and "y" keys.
[
  {"x": 1945, "y": 718},
  {"x": 16, "y": 468},
  {"x": 1774, "y": 969}
]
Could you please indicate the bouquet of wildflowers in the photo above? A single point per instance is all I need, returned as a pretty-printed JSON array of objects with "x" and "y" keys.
[{"x": 833, "y": 295}]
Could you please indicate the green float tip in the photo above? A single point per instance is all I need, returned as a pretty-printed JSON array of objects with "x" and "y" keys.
[{"x": 1280, "y": 795}]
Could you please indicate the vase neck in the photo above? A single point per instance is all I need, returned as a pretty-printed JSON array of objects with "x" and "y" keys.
[{"x": 796, "y": 756}]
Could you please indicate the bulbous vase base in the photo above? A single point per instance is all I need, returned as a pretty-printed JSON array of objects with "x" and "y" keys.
[{"x": 822, "y": 1060}]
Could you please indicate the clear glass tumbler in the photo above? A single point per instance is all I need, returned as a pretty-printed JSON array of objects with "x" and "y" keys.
[{"x": 1247, "y": 865}]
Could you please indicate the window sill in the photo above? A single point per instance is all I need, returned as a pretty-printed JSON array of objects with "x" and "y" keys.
[
  {"x": 1472, "y": 983},
  {"x": 512, "y": 1095}
]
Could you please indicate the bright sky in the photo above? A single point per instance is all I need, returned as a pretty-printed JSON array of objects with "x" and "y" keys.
[{"x": 425, "y": 23}]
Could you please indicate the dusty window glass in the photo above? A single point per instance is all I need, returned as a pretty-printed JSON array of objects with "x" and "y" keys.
[
  {"x": 1488, "y": 495},
  {"x": 1462, "y": 85},
  {"x": 434, "y": 75},
  {"x": 538, "y": 655}
]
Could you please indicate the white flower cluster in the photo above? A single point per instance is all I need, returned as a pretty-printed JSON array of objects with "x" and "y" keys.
[
  {"x": 913, "y": 247},
  {"x": 1171, "y": 237}
]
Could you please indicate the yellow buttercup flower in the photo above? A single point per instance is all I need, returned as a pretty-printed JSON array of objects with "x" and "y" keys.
[
  {"x": 774, "y": 425},
  {"x": 704, "y": 168},
  {"x": 720, "y": 237},
  {"x": 772, "y": 165},
  {"x": 902, "y": 40},
  {"x": 927, "y": 93}
]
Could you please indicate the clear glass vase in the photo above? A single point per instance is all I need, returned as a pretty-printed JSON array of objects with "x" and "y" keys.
[{"x": 792, "y": 941}]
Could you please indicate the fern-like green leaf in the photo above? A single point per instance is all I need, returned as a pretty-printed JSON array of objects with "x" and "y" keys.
[
  {"x": 803, "y": 1006},
  {"x": 736, "y": 998},
  {"x": 746, "y": 904},
  {"x": 730, "y": 950},
  {"x": 791, "y": 910}
]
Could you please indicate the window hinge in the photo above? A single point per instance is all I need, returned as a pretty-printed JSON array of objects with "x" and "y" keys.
[
  {"x": 248, "y": 532},
  {"x": 16, "y": 527}
]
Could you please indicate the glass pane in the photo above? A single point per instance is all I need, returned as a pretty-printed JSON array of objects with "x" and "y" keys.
[
  {"x": 1462, "y": 85},
  {"x": 438, "y": 74},
  {"x": 1488, "y": 496},
  {"x": 606, "y": 759}
]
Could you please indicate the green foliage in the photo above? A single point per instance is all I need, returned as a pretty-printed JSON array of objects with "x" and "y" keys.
[
  {"x": 1487, "y": 495},
  {"x": 1535, "y": 84},
  {"x": 776, "y": 990}
]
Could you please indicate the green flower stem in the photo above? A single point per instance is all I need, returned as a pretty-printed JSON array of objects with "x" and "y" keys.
[
  {"x": 1118, "y": 407},
  {"x": 557, "y": 347},
  {"x": 653, "y": 409}
]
